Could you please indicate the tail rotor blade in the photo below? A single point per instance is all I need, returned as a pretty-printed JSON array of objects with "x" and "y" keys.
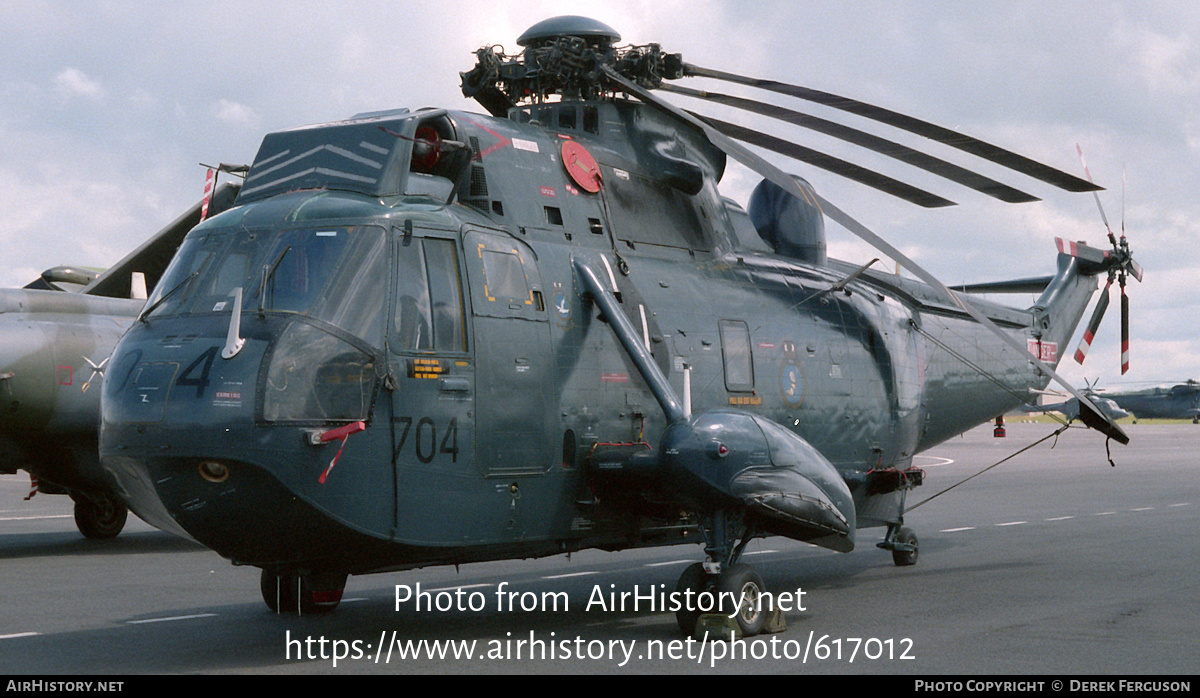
[
  {"x": 1124, "y": 331},
  {"x": 1085, "y": 344},
  {"x": 1111, "y": 238}
]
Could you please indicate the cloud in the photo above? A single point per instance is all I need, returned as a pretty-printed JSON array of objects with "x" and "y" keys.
[
  {"x": 1167, "y": 63},
  {"x": 236, "y": 114},
  {"x": 73, "y": 82}
]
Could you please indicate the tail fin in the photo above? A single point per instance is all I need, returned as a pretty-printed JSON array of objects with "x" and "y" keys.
[{"x": 152, "y": 257}]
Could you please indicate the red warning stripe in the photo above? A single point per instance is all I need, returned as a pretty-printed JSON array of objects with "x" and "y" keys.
[
  {"x": 1085, "y": 345},
  {"x": 208, "y": 188}
]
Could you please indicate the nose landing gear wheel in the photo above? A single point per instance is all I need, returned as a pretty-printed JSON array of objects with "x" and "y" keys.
[{"x": 740, "y": 585}]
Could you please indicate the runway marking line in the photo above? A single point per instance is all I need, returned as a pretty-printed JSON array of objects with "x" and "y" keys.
[
  {"x": 759, "y": 552},
  {"x": 1060, "y": 518},
  {"x": 464, "y": 586},
  {"x": 1104, "y": 513},
  {"x": 669, "y": 562},
  {"x": 171, "y": 618},
  {"x": 944, "y": 461},
  {"x": 1143, "y": 509},
  {"x": 31, "y": 518},
  {"x": 1012, "y": 523},
  {"x": 573, "y": 574},
  {"x": 16, "y": 635},
  {"x": 1182, "y": 504},
  {"x": 956, "y": 530}
]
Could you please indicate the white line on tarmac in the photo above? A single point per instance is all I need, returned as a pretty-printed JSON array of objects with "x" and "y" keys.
[
  {"x": 759, "y": 552},
  {"x": 1104, "y": 513},
  {"x": 465, "y": 586},
  {"x": 1012, "y": 523},
  {"x": 668, "y": 562},
  {"x": 171, "y": 618},
  {"x": 30, "y": 518},
  {"x": 1182, "y": 504},
  {"x": 944, "y": 461},
  {"x": 1060, "y": 518},
  {"x": 956, "y": 530},
  {"x": 573, "y": 574},
  {"x": 15, "y": 635},
  {"x": 1142, "y": 509}
]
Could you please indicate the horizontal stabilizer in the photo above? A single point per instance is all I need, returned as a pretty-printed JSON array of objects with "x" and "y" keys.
[{"x": 1035, "y": 284}]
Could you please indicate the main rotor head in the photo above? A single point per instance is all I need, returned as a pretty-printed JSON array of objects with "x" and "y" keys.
[{"x": 563, "y": 57}]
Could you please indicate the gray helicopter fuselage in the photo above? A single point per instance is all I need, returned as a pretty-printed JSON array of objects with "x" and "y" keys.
[{"x": 425, "y": 378}]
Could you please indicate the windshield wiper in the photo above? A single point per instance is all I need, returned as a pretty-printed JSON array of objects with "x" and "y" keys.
[
  {"x": 267, "y": 273},
  {"x": 165, "y": 296}
]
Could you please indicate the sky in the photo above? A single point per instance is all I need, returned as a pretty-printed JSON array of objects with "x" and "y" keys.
[{"x": 107, "y": 110}]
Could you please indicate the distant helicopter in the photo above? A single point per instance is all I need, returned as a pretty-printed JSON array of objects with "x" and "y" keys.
[
  {"x": 54, "y": 348},
  {"x": 435, "y": 337},
  {"x": 1181, "y": 401},
  {"x": 1071, "y": 410}
]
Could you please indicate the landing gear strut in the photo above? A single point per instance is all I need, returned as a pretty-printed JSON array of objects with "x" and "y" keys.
[
  {"x": 291, "y": 592},
  {"x": 716, "y": 588},
  {"x": 903, "y": 544}
]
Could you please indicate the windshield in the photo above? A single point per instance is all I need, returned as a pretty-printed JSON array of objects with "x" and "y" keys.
[{"x": 335, "y": 274}]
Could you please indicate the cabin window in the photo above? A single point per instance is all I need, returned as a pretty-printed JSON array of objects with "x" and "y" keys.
[
  {"x": 735, "y": 352},
  {"x": 505, "y": 277}
]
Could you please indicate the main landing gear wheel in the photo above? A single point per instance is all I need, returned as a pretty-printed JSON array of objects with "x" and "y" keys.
[
  {"x": 905, "y": 550},
  {"x": 100, "y": 516},
  {"x": 317, "y": 593},
  {"x": 740, "y": 584}
]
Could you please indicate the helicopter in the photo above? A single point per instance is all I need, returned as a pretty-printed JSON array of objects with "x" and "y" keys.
[
  {"x": 1180, "y": 401},
  {"x": 54, "y": 347},
  {"x": 436, "y": 337},
  {"x": 1070, "y": 408}
]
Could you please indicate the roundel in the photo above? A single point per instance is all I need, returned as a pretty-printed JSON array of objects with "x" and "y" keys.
[{"x": 581, "y": 166}]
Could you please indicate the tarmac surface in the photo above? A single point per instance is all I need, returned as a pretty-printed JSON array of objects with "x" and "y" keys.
[{"x": 1051, "y": 563}]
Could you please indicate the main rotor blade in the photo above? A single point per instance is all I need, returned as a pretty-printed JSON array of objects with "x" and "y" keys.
[
  {"x": 1089, "y": 413},
  {"x": 903, "y": 153},
  {"x": 827, "y": 162},
  {"x": 940, "y": 134}
]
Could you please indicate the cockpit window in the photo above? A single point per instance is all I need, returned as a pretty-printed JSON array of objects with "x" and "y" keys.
[
  {"x": 297, "y": 270},
  {"x": 333, "y": 274},
  {"x": 178, "y": 284},
  {"x": 429, "y": 306}
]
